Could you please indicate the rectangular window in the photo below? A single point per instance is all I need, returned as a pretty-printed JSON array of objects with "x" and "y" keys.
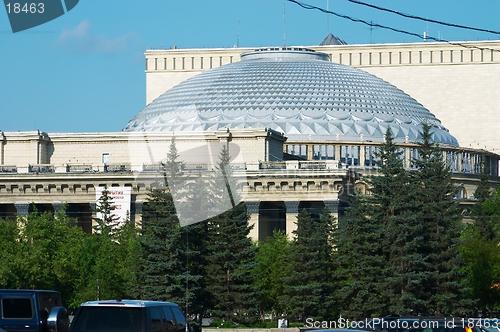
[
  {"x": 17, "y": 308},
  {"x": 180, "y": 319},
  {"x": 156, "y": 320},
  {"x": 105, "y": 158},
  {"x": 168, "y": 319}
]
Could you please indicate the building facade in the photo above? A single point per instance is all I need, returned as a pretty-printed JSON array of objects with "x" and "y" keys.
[{"x": 301, "y": 126}]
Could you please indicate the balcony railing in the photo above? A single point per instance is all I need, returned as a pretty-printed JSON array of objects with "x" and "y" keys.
[
  {"x": 79, "y": 168},
  {"x": 41, "y": 168},
  {"x": 8, "y": 169},
  {"x": 272, "y": 165},
  {"x": 117, "y": 168}
]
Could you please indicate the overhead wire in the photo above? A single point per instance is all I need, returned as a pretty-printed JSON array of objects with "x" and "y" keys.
[
  {"x": 371, "y": 24},
  {"x": 422, "y": 18}
]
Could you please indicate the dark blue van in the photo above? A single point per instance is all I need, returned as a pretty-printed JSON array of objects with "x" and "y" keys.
[{"x": 32, "y": 311}]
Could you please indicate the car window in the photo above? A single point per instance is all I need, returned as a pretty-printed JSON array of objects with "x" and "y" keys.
[
  {"x": 108, "y": 319},
  {"x": 47, "y": 301},
  {"x": 17, "y": 308},
  {"x": 156, "y": 319},
  {"x": 168, "y": 319},
  {"x": 179, "y": 317}
]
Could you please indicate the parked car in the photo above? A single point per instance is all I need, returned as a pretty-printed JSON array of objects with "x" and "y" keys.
[
  {"x": 32, "y": 310},
  {"x": 486, "y": 324},
  {"x": 129, "y": 316}
]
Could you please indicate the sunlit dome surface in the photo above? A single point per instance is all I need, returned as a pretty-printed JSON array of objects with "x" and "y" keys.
[{"x": 294, "y": 91}]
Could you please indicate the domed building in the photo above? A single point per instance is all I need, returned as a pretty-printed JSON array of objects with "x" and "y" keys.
[
  {"x": 295, "y": 91},
  {"x": 301, "y": 131}
]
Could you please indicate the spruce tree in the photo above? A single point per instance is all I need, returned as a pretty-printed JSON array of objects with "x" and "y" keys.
[
  {"x": 362, "y": 259},
  {"x": 110, "y": 277},
  {"x": 106, "y": 220},
  {"x": 162, "y": 272},
  {"x": 381, "y": 244},
  {"x": 308, "y": 287},
  {"x": 230, "y": 254},
  {"x": 441, "y": 219}
]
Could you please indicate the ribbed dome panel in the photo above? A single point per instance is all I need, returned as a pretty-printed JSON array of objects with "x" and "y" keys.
[{"x": 299, "y": 94}]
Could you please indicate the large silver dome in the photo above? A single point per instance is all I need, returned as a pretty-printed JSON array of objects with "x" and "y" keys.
[{"x": 294, "y": 91}]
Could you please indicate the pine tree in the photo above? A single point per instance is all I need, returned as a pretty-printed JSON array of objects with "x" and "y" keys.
[
  {"x": 230, "y": 254},
  {"x": 111, "y": 275},
  {"x": 172, "y": 262},
  {"x": 308, "y": 287},
  {"x": 106, "y": 220},
  {"x": 162, "y": 265},
  {"x": 441, "y": 219},
  {"x": 381, "y": 245}
]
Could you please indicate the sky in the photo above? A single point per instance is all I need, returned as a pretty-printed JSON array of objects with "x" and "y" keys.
[{"x": 84, "y": 71}]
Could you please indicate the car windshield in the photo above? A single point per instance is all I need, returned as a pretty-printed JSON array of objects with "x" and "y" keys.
[{"x": 108, "y": 319}]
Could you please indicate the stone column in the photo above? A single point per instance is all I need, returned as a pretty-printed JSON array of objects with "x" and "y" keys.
[
  {"x": 333, "y": 205},
  {"x": 362, "y": 151},
  {"x": 337, "y": 153},
  {"x": 22, "y": 209},
  {"x": 137, "y": 212},
  {"x": 94, "y": 215},
  {"x": 309, "y": 151},
  {"x": 292, "y": 210},
  {"x": 253, "y": 211},
  {"x": 407, "y": 158},
  {"x": 2, "y": 139}
]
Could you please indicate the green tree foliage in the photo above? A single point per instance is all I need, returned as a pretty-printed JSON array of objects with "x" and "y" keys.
[
  {"x": 270, "y": 272},
  {"x": 441, "y": 219},
  {"x": 309, "y": 286},
  {"x": 161, "y": 263},
  {"x": 481, "y": 252},
  {"x": 172, "y": 262},
  {"x": 362, "y": 258},
  {"x": 373, "y": 250},
  {"x": 107, "y": 256},
  {"x": 482, "y": 266},
  {"x": 230, "y": 254},
  {"x": 400, "y": 249},
  {"x": 9, "y": 233},
  {"x": 38, "y": 251},
  {"x": 393, "y": 209}
]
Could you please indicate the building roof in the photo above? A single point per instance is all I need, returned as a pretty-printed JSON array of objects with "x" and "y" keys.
[
  {"x": 295, "y": 91},
  {"x": 332, "y": 40}
]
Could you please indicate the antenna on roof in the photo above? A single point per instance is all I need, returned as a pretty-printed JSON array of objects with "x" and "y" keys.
[
  {"x": 327, "y": 19},
  {"x": 284, "y": 23}
]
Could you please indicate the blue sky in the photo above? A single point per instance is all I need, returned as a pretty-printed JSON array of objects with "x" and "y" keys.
[{"x": 84, "y": 71}]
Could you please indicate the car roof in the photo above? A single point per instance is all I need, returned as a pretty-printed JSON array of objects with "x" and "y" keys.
[
  {"x": 25, "y": 291},
  {"x": 127, "y": 303}
]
